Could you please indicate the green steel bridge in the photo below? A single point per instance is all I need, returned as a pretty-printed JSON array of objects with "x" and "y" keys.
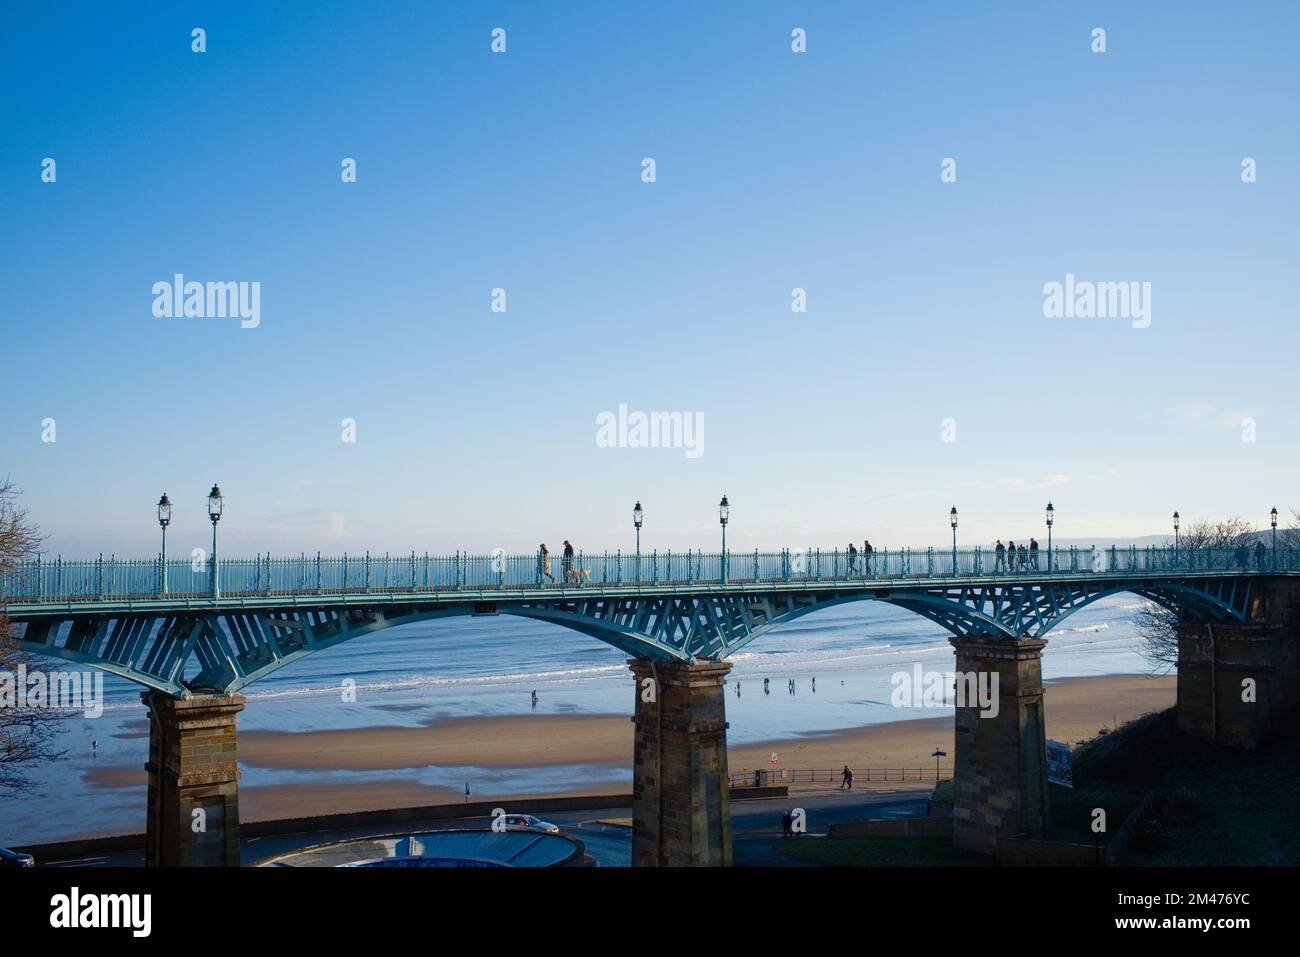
[{"x": 209, "y": 627}]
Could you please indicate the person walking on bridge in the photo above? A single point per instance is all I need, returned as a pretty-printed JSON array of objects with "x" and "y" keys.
[
  {"x": 866, "y": 557},
  {"x": 1011, "y": 556},
  {"x": 544, "y": 564},
  {"x": 568, "y": 561},
  {"x": 1033, "y": 553},
  {"x": 853, "y": 559},
  {"x": 1001, "y": 564}
]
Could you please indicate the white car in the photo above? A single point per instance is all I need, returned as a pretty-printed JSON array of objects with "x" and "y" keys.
[{"x": 526, "y": 822}]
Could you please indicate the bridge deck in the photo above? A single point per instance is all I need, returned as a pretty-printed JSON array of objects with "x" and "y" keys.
[{"x": 126, "y": 587}]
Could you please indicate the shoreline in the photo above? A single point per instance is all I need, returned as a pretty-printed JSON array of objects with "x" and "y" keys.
[{"x": 1074, "y": 709}]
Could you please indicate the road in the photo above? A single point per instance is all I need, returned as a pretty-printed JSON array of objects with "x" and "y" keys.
[{"x": 755, "y": 824}]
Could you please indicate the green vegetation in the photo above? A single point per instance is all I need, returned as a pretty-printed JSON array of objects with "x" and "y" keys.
[
  {"x": 1212, "y": 806},
  {"x": 878, "y": 852},
  {"x": 943, "y": 792}
]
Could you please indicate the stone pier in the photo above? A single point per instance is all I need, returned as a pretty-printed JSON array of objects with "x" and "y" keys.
[
  {"x": 1000, "y": 779},
  {"x": 1239, "y": 684},
  {"x": 193, "y": 818},
  {"x": 680, "y": 813}
]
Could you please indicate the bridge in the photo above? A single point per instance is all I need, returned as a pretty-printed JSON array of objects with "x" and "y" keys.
[{"x": 195, "y": 633}]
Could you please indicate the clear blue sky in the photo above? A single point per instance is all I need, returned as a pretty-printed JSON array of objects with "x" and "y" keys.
[{"x": 523, "y": 171}]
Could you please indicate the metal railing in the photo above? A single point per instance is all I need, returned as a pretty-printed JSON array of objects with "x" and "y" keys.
[
  {"x": 113, "y": 578},
  {"x": 765, "y": 777}
]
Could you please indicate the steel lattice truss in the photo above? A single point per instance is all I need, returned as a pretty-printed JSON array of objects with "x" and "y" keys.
[{"x": 224, "y": 650}]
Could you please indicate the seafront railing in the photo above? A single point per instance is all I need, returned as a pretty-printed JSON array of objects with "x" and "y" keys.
[{"x": 112, "y": 578}]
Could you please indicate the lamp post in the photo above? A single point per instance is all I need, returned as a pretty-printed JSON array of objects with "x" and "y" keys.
[
  {"x": 1176, "y": 520},
  {"x": 1051, "y": 518},
  {"x": 214, "y": 513},
  {"x": 637, "y": 516},
  {"x": 952, "y": 520},
  {"x": 1273, "y": 518},
  {"x": 164, "y": 519},
  {"x": 724, "y": 513},
  {"x": 937, "y": 755}
]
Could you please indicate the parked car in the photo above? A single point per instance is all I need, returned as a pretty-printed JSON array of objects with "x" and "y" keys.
[
  {"x": 526, "y": 822},
  {"x": 10, "y": 858}
]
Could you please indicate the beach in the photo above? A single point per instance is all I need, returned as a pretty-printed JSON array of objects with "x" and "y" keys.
[{"x": 1074, "y": 708}]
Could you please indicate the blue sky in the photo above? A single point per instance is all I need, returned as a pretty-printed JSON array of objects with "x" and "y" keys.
[{"x": 522, "y": 171}]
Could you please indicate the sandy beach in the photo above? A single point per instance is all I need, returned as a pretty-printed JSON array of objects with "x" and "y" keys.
[{"x": 1075, "y": 709}]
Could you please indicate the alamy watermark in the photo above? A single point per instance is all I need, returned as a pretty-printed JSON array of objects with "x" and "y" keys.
[
  {"x": 651, "y": 430},
  {"x": 213, "y": 300},
  {"x": 56, "y": 690},
  {"x": 1084, "y": 299},
  {"x": 930, "y": 689}
]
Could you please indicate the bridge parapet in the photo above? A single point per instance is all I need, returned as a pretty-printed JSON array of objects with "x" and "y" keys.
[{"x": 113, "y": 579}]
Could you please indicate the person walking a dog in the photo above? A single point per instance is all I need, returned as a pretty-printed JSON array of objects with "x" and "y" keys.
[{"x": 568, "y": 561}]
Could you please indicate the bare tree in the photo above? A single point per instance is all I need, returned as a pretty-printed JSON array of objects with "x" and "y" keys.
[
  {"x": 26, "y": 733},
  {"x": 1155, "y": 622}
]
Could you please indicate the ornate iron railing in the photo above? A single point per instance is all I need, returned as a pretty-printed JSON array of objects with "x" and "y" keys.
[{"x": 113, "y": 578}]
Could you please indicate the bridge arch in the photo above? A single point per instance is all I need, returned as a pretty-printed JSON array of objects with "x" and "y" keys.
[{"x": 228, "y": 649}]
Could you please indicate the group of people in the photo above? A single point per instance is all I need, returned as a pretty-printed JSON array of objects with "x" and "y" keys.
[
  {"x": 1012, "y": 557},
  {"x": 866, "y": 557},
  {"x": 544, "y": 562}
]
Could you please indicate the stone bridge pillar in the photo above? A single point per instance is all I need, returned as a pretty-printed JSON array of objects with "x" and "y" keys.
[
  {"x": 1238, "y": 684},
  {"x": 1000, "y": 779},
  {"x": 193, "y": 780},
  {"x": 680, "y": 812}
]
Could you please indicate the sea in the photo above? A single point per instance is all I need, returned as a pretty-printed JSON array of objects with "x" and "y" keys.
[{"x": 841, "y": 660}]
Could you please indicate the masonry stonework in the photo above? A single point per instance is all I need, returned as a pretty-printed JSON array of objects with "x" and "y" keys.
[
  {"x": 680, "y": 812},
  {"x": 192, "y": 768},
  {"x": 1000, "y": 779}
]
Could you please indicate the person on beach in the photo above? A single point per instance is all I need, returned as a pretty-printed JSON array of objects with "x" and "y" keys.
[
  {"x": 853, "y": 558},
  {"x": 568, "y": 560},
  {"x": 1001, "y": 564},
  {"x": 846, "y": 777},
  {"x": 534, "y": 699},
  {"x": 1033, "y": 553},
  {"x": 544, "y": 565}
]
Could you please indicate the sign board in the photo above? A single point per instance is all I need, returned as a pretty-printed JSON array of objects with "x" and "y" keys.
[{"x": 1058, "y": 764}]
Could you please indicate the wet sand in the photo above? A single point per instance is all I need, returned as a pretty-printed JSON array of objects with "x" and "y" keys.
[{"x": 1075, "y": 709}]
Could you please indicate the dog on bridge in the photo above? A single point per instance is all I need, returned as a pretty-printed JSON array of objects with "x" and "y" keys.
[{"x": 577, "y": 576}]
